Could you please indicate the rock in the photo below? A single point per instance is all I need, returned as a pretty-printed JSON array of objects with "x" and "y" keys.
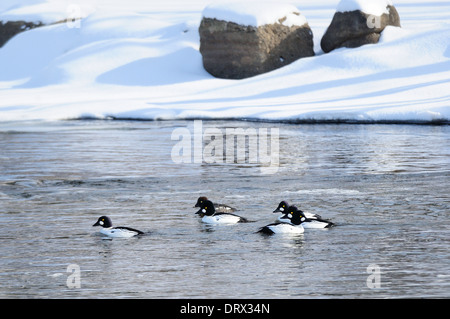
[
  {"x": 235, "y": 51},
  {"x": 352, "y": 29},
  {"x": 11, "y": 28}
]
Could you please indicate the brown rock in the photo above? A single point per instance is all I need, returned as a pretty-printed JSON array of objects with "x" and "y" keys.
[
  {"x": 234, "y": 51},
  {"x": 356, "y": 28}
]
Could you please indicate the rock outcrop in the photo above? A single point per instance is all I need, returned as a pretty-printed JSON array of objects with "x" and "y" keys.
[
  {"x": 352, "y": 29},
  {"x": 234, "y": 51},
  {"x": 11, "y": 28}
]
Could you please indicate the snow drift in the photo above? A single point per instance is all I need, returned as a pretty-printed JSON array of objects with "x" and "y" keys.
[{"x": 141, "y": 60}]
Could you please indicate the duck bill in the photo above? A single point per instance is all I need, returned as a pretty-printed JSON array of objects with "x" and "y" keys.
[{"x": 96, "y": 224}]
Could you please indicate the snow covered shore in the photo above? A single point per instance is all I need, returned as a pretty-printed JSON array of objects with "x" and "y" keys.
[{"x": 141, "y": 60}]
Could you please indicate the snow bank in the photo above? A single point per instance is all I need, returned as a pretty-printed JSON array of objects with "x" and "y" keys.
[
  {"x": 47, "y": 12},
  {"x": 139, "y": 59},
  {"x": 255, "y": 14},
  {"x": 374, "y": 7}
]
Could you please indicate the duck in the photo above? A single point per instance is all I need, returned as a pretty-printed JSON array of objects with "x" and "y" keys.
[
  {"x": 210, "y": 216},
  {"x": 115, "y": 232},
  {"x": 282, "y": 207},
  {"x": 220, "y": 208},
  {"x": 292, "y": 223},
  {"x": 308, "y": 222}
]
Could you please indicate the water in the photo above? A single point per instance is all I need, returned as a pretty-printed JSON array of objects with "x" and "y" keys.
[{"x": 385, "y": 186}]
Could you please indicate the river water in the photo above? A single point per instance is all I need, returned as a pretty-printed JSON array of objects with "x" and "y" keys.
[{"x": 384, "y": 186}]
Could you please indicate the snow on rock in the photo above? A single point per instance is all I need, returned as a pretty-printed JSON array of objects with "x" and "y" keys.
[
  {"x": 242, "y": 40},
  {"x": 355, "y": 27},
  {"x": 255, "y": 14},
  {"x": 17, "y": 16},
  {"x": 374, "y": 7}
]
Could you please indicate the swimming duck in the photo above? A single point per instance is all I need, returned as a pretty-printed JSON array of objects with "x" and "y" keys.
[
  {"x": 115, "y": 232},
  {"x": 220, "y": 208},
  {"x": 308, "y": 222},
  {"x": 283, "y": 205},
  {"x": 210, "y": 216},
  {"x": 294, "y": 223}
]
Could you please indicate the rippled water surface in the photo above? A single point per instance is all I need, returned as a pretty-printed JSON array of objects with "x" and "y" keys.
[{"x": 385, "y": 186}]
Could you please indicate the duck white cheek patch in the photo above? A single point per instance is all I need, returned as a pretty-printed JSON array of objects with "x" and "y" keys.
[
  {"x": 101, "y": 223},
  {"x": 203, "y": 210}
]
